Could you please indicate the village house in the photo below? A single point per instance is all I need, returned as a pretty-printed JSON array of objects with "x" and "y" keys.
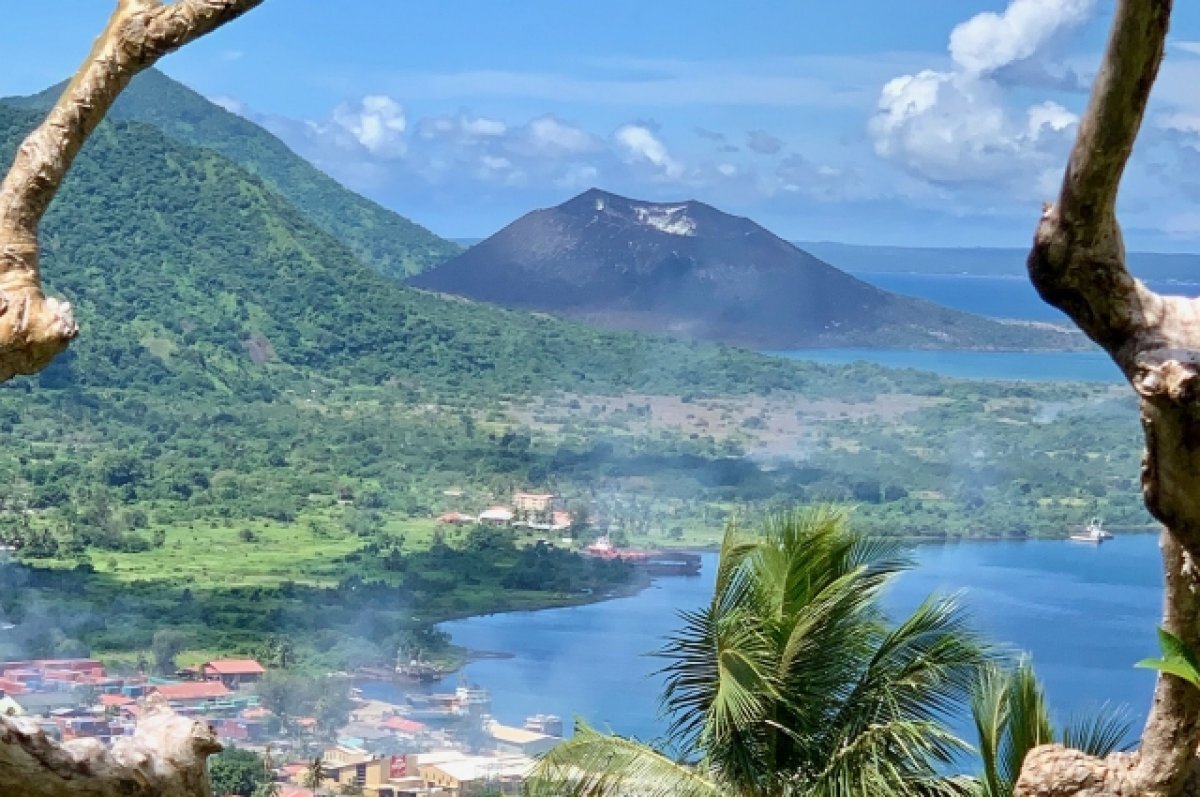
[
  {"x": 496, "y": 516},
  {"x": 462, "y": 775},
  {"x": 234, "y": 673},
  {"x": 518, "y": 741}
]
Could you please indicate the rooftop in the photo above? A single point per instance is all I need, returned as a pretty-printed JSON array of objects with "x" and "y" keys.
[
  {"x": 203, "y": 690},
  {"x": 507, "y": 733},
  {"x": 469, "y": 768},
  {"x": 234, "y": 667}
]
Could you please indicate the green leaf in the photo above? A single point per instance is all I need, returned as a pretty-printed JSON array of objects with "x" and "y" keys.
[{"x": 1178, "y": 659}]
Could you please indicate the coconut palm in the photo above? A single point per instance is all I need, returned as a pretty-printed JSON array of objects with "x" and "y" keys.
[
  {"x": 1011, "y": 717},
  {"x": 792, "y": 682},
  {"x": 314, "y": 774}
]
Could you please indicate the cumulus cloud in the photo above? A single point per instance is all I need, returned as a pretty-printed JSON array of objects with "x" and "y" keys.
[
  {"x": 464, "y": 126},
  {"x": 763, "y": 142},
  {"x": 550, "y": 135},
  {"x": 640, "y": 145},
  {"x": 957, "y": 126},
  {"x": 377, "y": 123},
  {"x": 230, "y": 104},
  {"x": 989, "y": 41}
]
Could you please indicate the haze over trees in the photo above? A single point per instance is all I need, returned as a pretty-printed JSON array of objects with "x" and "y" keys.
[{"x": 167, "y": 754}]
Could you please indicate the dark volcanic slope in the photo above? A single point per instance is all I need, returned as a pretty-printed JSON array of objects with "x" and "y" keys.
[{"x": 687, "y": 269}]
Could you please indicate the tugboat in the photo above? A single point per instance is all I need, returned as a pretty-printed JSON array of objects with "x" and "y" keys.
[
  {"x": 1093, "y": 533},
  {"x": 417, "y": 669}
]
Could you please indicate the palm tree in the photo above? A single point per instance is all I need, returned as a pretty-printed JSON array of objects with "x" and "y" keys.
[
  {"x": 315, "y": 773},
  {"x": 1011, "y": 717},
  {"x": 792, "y": 682}
]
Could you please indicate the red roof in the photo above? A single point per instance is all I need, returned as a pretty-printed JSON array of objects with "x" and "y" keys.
[
  {"x": 234, "y": 667},
  {"x": 295, "y": 791},
  {"x": 201, "y": 690},
  {"x": 12, "y": 687},
  {"x": 402, "y": 725},
  {"x": 115, "y": 700}
]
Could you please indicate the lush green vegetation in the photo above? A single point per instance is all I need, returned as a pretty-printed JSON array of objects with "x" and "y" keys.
[
  {"x": 381, "y": 239},
  {"x": 253, "y": 423},
  {"x": 791, "y": 682},
  {"x": 1011, "y": 718}
]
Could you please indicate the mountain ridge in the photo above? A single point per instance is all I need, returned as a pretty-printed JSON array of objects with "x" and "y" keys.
[
  {"x": 386, "y": 241},
  {"x": 689, "y": 270}
]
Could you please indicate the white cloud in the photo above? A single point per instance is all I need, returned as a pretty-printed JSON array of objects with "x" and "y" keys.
[
  {"x": 957, "y": 126},
  {"x": 462, "y": 126},
  {"x": 230, "y": 104},
  {"x": 989, "y": 41},
  {"x": 639, "y": 144},
  {"x": 579, "y": 176},
  {"x": 550, "y": 135},
  {"x": 378, "y": 124},
  {"x": 1191, "y": 48}
]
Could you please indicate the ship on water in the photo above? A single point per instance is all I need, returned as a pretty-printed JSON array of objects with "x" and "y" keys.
[{"x": 653, "y": 562}]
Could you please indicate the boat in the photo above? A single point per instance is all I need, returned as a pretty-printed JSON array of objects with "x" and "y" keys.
[
  {"x": 1093, "y": 533},
  {"x": 419, "y": 670}
]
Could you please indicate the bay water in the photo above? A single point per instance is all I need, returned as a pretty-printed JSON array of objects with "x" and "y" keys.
[
  {"x": 1084, "y": 613},
  {"x": 999, "y": 296}
]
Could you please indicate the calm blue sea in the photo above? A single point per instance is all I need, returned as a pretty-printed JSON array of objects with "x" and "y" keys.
[
  {"x": 998, "y": 296},
  {"x": 1085, "y": 614}
]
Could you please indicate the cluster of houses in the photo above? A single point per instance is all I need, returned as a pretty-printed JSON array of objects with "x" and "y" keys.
[
  {"x": 539, "y": 511},
  {"x": 414, "y": 761},
  {"x": 77, "y": 698},
  {"x": 381, "y": 752}
]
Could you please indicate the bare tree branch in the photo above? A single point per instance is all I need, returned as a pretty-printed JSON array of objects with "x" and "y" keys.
[
  {"x": 1078, "y": 264},
  {"x": 33, "y": 328},
  {"x": 1078, "y": 258}
]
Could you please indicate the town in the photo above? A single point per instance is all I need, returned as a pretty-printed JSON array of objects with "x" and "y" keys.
[{"x": 380, "y": 750}]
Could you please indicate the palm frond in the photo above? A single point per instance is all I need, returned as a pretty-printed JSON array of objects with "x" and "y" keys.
[
  {"x": 593, "y": 764},
  {"x": 896, "y": 759},
  {"x": 989, "y": 710},
  {"x": 1099, "y": 733},
  {"x": 922, "y": 670},
  {"x": 1028, "y": 721}
]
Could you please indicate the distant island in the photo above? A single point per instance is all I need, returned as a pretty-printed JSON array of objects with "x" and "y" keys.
[{"x": 688, "y": 270}]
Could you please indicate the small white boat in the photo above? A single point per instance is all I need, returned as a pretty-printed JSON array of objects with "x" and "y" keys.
[{"x": 1093, "y": 533}]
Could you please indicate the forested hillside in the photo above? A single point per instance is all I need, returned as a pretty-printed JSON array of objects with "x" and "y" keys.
[
  {"x": 187, "y": 269},
  {"x": 246, "y": 399},
  {"x": 380, "y": 238}
]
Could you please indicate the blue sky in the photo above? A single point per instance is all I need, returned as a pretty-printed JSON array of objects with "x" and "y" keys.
[{"x": 926, "y": 122}]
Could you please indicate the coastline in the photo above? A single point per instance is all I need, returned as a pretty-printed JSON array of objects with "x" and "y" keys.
[{"x": 464, "y": 655}]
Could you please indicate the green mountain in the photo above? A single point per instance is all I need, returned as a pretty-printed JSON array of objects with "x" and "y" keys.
[
  {"x": 383, "y": 240},
  {"x": 185, "y": 267}
]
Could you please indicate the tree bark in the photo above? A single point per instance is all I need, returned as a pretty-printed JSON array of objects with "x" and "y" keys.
[
  {"x": 167, "y": 754},
  {"x": 1078, "y": 265},
  {"x": 33, "y": 327}
]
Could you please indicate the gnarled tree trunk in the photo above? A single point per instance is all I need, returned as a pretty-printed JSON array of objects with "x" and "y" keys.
[
  {"x": 1078, "y": 265},
  {"x": 33, "y": 327},
  {"x": 168, "y": 753},
  {"x": 166, "y": 756}
]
